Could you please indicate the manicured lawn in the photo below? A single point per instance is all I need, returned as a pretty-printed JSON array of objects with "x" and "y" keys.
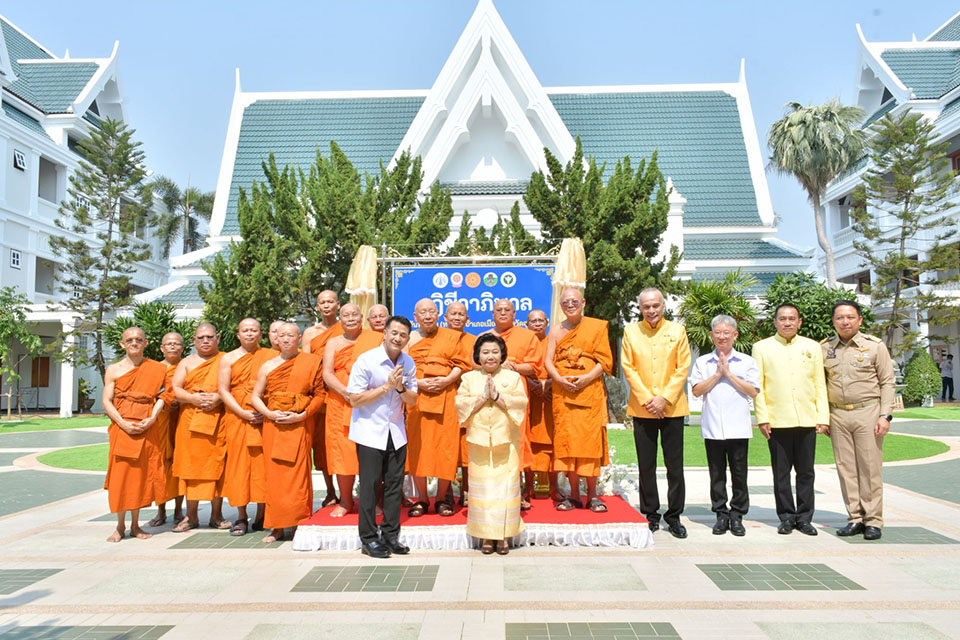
[
  {"x": 895, "y": 447},
  {"x": 88, "y": 458},
  {"x": 932, "y": 413},
  {"x": 34, "y": 423}
]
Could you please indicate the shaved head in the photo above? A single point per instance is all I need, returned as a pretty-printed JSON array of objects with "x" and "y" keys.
[
  {"x": 326, "y": 294},
  {"x": 132, "y": 331},
  {"x": 249, "y": 321},
  {"x": 205, "y": 326},
  {"x": 456, "y": 316},
  {"x": 328, "y": 305},
  {"x": 377, "y": 317},
  {"x": 287, "y": 327},
  {"x": 426, "y": 313}
]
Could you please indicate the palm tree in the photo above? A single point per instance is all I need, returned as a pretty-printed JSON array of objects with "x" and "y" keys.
[
  {"x": 185, "y": 208},
  {"x": 816, "y": 144}
]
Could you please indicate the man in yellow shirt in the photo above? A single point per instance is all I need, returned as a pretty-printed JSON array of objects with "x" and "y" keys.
[
  {"x": 791, "y": 409},
  {"x": 656, "y": 360}
]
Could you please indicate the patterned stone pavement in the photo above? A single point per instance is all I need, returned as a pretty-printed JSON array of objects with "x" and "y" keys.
[{"x": 60, "y": 579}]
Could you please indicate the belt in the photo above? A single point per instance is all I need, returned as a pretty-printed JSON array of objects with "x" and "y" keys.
[{"x": 855, "y": 405}]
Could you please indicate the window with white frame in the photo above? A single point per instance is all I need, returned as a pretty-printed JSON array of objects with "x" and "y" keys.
[
  {"x": 47, "y": 184},
  {"x": 19, "y": 160},
  {"x": 15, "y": 258}
]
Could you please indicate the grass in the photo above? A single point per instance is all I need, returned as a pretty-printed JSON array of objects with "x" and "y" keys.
[
  {"x": 36, "y": 423},
  {"x": 89, "y": 458},
  {"x": 931, "y": 413},
  {"x": 895, "y": 447}
]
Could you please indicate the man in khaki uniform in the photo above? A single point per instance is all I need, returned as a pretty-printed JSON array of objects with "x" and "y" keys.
[{"x": 860, "y": 386}]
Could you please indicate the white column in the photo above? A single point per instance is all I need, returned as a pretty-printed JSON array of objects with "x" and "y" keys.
[{"x": 67, "y": 383}]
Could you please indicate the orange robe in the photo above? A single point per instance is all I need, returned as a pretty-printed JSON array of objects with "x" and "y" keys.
[
  {"x": 318, "y": 422},
  {"x": 433, "y": 429},
  {"x": 540, "y": 412},
  {"x": 243, "y": 480},
  {"x": 135, "y": 466},
  {"x": 341, "y": 451},
  {"x": 167, "y": 429},
  {"x": 523, "y": 347},
  {"x": 468, "y": 341},
  {"x": 295, "y": 385},
  {"x": 580, "y": 419},
  {"x": 198, "y": 459}
]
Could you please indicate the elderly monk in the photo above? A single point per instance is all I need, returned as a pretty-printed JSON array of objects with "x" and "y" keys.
[
  {"x": 198, "y": 459},
  {"x": 131, "y": 397},
  {"x": 377, "y": 317},
  {"x": 540, "y": 412},
  {"x": 433, "y": 429},
  {"x": 315, "y": 341},
  {"x": 578, "y": 354},
  {"x": 457, "y": 318},
  {"x": 289, "y": 390},
  {"x": 525, "y": 356},
  {"x": 272, "y": 334},
  {"x": 171, "y": 346},
  {"x": 243, "y": 479},
  {"x": 338, "y": 359}
]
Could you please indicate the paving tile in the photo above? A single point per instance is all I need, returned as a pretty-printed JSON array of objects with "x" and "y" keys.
[
  {"x": 777, "y": 577},
  {"x": 935, "y": 479},
  {"x": 178, "y": 581},
  {"x": 223, "y": 540},
  {"x": 936, "y": 573},
  {"x": 571, "y": 577},
  {"x": 29, "y": 488},
  {"x": 86, "y": 632},
  {"x": 333, "y": 579},
  {"x": 904, "y": 535},
  {"x": 767, "y": 490},
  {"x": 145, "y": 516},
  {"x": 588, "y": 630},
  {"x": 846, "y": 631},
  {"x": 12, "y": 580},
  {"x": 352, "y": 631}
]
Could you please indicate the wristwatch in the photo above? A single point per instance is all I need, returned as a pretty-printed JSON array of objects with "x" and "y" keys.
[
  {"x": 888, "y": 418},
  {"x": 403, "y": 387}
]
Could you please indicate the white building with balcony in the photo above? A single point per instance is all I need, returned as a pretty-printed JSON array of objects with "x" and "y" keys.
[{"x": 48, "y": 104}]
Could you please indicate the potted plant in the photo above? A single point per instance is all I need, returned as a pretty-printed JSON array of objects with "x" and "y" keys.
[{"x": 85, "y": 397}]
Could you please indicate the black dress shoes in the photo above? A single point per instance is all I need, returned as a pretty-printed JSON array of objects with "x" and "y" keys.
[
  {"x": 677, "y": 530},
  {"x": 852, "y": 529},
  {"x": 375, "y": 549},
  {"x": 785, "y": 528},
  {"x": 395, "y": 546},
  {"x": 806, "y": 529},
  {"x": 871, "y": 533},
  {"x": 654, "y": 526},
  {"x": 722, "y": 526},
  {"x": 736, "y": 527}
]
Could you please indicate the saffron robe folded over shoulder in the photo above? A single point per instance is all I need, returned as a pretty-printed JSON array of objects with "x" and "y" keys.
[
  {"x": 541, "y": 425},
  {"x": 317, "y": 425},
  {"x": 135, "y": 475},
  {"x": 433, "y": 429},
  {"x": 295, "y": 385},
  {"x": 243, "y": 479},
  {"x": 341, "y": 451},
  {"x": 468, "y": 341},
  {"x": 523, "y": 347},
  {"x": 198, "y": 459},
  {"x": 580, "y": 419},
  {"x": 167, "y": 432}
]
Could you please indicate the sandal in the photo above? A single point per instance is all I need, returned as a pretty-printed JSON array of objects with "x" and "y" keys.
[
  {"x": 329, "y": 500},
  {"x": 220, "y": 524},
  {"x": 568, "y": 504},
  {"x": 408, "y": 501},
  {"x": 525, "y": 505},
  {"x": 418, "y": 509},
  {"x": 487, "y": 547},
  {"x": 257, "y": 525},
  {"x": 503, "y": 547},
  {"x": 239, "y": 528},
  {"x": 596, "y": 505},
  {"x": 443, "y": 509},
  {"x": 463, "y": 499},
  {"x": 185, "y": 525}
]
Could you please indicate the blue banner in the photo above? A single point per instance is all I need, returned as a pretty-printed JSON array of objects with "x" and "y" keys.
[{"x": 476, "y": 286}]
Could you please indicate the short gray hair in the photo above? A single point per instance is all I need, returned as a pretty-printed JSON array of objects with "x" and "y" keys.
[
  {"x": 723, "y": 319},
  {"x": 652, "y": 290}
]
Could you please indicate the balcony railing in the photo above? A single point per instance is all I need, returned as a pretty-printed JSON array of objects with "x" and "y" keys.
[{"x": 843, "y": 237}]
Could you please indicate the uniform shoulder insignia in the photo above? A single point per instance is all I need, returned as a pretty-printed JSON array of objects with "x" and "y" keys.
[
  {"x": 871, "y": 338},
  {"x": 825, "y": 341}
]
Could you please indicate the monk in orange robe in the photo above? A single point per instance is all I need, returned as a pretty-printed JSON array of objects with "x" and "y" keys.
[
  {"x": 172, "y": 348},
  {"x": 289, "y": 390},
  {"x": 198, "y": 459},
  {"x": 243, "y": 478},
  {"x": 272, "y": 334},
  {"x": 315, "y": 341},
  {"x": 377, "y": 317},
  {"x": 578, "y": 354},
  {"x": 131, "y": 393},
  {"x": 540, "y": 414},
  {"x": 457, "y": 318},
  {"x": 338, "y": 359},
  {"x": 433, "y": 428}
]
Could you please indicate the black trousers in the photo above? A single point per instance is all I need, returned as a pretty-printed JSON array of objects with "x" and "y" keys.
[
  {"x": 793, "y": 448},
  {"x": 720, "y": 454},
  {"x": 377, "y": 464},
  {"x": 947, "y": 388},
  {"x": 645, "y": 432}
]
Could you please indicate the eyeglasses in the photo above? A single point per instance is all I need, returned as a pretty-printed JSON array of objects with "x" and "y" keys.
[{"x": 570, "y": 303}]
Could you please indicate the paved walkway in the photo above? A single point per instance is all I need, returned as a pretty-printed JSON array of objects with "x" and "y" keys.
[{"x": 60, "y": 579}]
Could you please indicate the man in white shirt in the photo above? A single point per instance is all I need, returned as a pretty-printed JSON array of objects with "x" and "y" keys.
[
  {"x": 381, "y": 382},
  {"x": 946, "y": 376},
  {"x": 726, "y": 379}
]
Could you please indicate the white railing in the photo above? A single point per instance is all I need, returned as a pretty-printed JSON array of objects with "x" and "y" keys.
[{"x": 843, "y": 237}]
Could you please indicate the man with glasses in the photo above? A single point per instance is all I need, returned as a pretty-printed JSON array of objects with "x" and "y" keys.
[
  {"x": 578, "y": 354},
  {"x": 172, "y": 348},
  {"x": 656, "y": 362}
]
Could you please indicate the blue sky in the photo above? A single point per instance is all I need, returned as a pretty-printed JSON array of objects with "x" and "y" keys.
[{"x": 178, "y": 58}]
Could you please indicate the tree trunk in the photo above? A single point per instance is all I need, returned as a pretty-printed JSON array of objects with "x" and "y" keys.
[{"x": 824, "y": 241}]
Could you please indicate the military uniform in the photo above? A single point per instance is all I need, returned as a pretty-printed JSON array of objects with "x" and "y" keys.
[{"x": 860, "y": 388}]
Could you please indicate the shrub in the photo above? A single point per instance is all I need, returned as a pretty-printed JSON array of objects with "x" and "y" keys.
[{"x": 921, "y": 377}]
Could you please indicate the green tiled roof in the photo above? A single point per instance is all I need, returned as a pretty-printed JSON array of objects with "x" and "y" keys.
[
  {"x": 698, "y": 136},
  {"x": 487, "y": 188},
  {"x": 929, "y": 72},
  {"x": 19, "y": 47},
  {"x": 731, "y": 249},
  {"x": 368, "y": 130},
  {"x": 879, "y": 113},
  {"x": 764, "y": 280},
  {"x": 225, "y": 252},
  {"x": 52, "y": 86},
  {"x": 949, "y": 31},
  {"x": 184, "y": 295},
  {"x": 952, "y": 107},
  {"x": 23, "y": 119}
]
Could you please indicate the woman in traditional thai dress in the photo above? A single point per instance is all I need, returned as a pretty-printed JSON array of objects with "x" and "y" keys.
[{"x": 492, "y": 403}]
